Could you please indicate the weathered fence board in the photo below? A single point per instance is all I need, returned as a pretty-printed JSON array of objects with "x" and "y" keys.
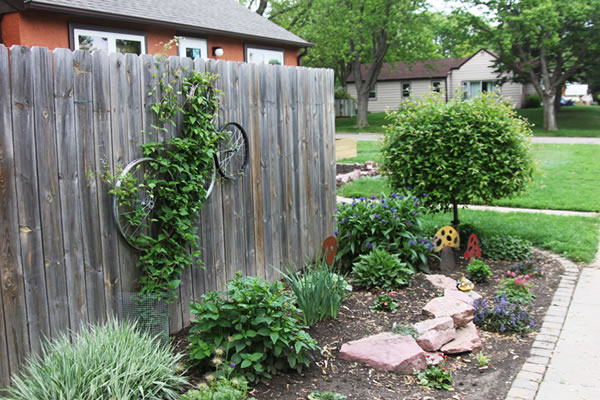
[{"x": 68, "y": 118}]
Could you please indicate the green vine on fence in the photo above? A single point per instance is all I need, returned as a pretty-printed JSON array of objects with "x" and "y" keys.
[{"x": 181, "y": 170}]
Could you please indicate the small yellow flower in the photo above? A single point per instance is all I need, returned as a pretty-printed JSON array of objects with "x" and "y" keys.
[
  {"x": 219, "y": 351},
  {"x": 230, "y": 339}
]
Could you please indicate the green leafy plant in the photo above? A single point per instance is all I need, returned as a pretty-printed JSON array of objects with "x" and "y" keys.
[
  {"x": 326, "y": 396},
  {"x": 456, "y": 151},
  {"x": 533, "y": 101},
  {"x": 381, "y": 270},
  {"x": 390, "y": 223},
  {"x": 318, "y": 291},
  {"x": 342, "y": 94},
  {"x": 259, "y": 324},
  {"x": 464, "y": 232},
  {"x": 436, "y": 376},
  {"x": 478, "y": 271},
  {"x": 503, "y": 317},
  {"x": 385, "y": 302},
  {"x": 517, "y": 288},
  {"x": 480, "y": 360},
  {"x": 404, "y": 330},
  {"x": 219, "y": 389},
  {"x": 110, "y": 361},
  {"x": 506, "y": 248}
]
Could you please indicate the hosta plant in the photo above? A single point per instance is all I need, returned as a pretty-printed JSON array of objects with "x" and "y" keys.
[{"x": 382, "y": 270}]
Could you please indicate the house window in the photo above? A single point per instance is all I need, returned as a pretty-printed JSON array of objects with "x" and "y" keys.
[
  {"x": 474, "y": 88},
  {"x": 436, "y": 86},
  {"x": 261, "y": 55},
  {"x": 373, "y": 93},
  {"x": 406, "y": 90},
  {"x": 193, "y": 48},
  {"x": 109, "y": 41}
]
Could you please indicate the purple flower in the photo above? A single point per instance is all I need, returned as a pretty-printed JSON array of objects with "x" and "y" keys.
[
  {"x": 232, "y": 365},
  {"x": 376, "y": 216},
  {"x": 412, "y": 243},
  {"x": 408, "y": 187},
  {"x": 356, "y": 214},
  {"x": 373, "y": 197},
  {"x": 409, "y": 223},
  {"x": 393, "y": 210},
  {"x": 385, "y": 222},
  {"x": 425, "y": 195},
  {"x": 336, "y": 233},
  {"x": 368, "y": 245},
  {"x": 394, "y": 195},
  {"x": 403, "y": 196},
  {"x": 362, "y": 198},
  {"x": 386, "y": 206},
  {"x": 344, "y": 220},
  {"x": 395, "y": 217},
  {"x": 414, "y": 214}
]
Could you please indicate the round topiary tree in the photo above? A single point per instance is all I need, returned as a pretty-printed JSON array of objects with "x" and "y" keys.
[{"x": 457, "y": 151}]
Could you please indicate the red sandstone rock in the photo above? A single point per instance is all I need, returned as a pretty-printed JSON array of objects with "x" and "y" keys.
[
  {"x": 434, "y": 333},
  {"x": 442, "y": 282},
  {"x": 386, "y": 352},
  {"x": 460, "y": 312},
  {"x": 466, "y": 297},
  {"x": 467, "y": 339}
]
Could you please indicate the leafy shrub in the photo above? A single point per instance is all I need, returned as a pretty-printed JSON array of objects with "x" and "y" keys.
[
  {"x": 382, "y": 270},
  {"x": 326, "y": 396},
  {"x": 506, "y": 248},
  {"x": 342, "y": 94},
  {"x": 478, "y": 271},
  {"x": 436, "y": 376},
  {"x": 319, "y": 292},
  {"x": 457, "y": 151},
  {"x": 385, "y": 302},
  {"x": 391, "y": 223},
  {"x": 533, "y": 101},
  {"x": 110, "y": 361},
  {"x": 504, "y": 317},
  {"x": 258, "y": 324},
  {"x": 221, "y": 388},
  {"x": 516, "y": 288}
]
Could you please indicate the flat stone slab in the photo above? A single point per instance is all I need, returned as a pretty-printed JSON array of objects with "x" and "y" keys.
[
  {"x": 442, "y": 282},
  {"x": 467, "y": 340},
  {"x": 466, "y": 297},
  {"x": 445, "y": 306},
  {"x": 434, "y": 333},
  {"x": 386, "y": 352}
]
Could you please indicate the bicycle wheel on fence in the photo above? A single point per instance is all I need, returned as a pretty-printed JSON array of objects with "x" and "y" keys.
[
  {"x": 210, "y": 184},
  {"x": 134, "y": 201},
  {"x": 233, "y": 151}
]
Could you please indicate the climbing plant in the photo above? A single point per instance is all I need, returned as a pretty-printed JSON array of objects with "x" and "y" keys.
[{"x": 181, "y": 169}]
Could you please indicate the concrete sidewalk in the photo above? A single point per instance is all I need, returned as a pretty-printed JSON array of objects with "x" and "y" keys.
[{"x": 535, "y": 139}]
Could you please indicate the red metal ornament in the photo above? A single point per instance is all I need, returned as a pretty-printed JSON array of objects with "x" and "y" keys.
[
  {"x": 329, "y": 250},
  {"x": 472, "y": 247}
]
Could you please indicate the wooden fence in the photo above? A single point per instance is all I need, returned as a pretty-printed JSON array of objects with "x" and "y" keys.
[
  {"x": 65, "y": 115},
  {"x": 345, "y": 108}
]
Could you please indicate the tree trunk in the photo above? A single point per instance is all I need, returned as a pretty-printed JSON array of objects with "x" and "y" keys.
[
  {"x": 362, "y": 111},
  {"x": 455, "y": 221},
  {"x": 557, "y": 99},
  {"x": 549, "y": 114}
]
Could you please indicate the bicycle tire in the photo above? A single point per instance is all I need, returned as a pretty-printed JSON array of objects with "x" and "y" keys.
[
  {"x": 211, "y": 184},
  {"x": 144, "y": 198},
  {"x": 233, "y": 151}
]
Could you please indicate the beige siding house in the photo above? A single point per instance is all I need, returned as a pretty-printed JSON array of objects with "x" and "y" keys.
[{"x": 452, "y": 76}]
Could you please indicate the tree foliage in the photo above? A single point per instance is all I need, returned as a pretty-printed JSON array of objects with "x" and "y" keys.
[
  {"x": 457, "y": 151},
  {"x": 542, "y": 42}
]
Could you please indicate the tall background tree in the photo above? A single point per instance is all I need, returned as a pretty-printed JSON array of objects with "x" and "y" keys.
[{"x": 542, "y": 42}]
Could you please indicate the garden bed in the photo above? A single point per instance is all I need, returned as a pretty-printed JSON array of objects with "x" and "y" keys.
[{"x": 328, "y": 373}]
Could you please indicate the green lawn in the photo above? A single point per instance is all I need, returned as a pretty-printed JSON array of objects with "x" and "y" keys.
[
  {"x": 572, "y": 121},
  {"x": 567, "y": 178},
  {"x": 573, "y": 237},
  {"x": 366, "y": 150}
]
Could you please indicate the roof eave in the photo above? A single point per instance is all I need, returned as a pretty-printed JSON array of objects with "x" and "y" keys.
[{"x": 182, "y": 27}]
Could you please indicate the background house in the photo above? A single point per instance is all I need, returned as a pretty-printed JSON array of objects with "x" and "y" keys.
[
  {"x": 474, "y": 75},
  {"x": 221, "y": 29}
]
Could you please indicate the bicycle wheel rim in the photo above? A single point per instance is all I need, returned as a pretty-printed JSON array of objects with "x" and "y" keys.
[
  {"x": 125, "y": 211},
  {"x": 233, "y": 151}
]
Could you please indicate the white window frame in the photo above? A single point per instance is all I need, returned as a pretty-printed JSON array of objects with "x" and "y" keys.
[
  {"x": 409, "y": 89},
  {"x": 112, "y": 37},
  {"x": 275, "y": 54},
  {"x": 466, "y": 87},
  {"x": 200, "y": 43},
  {"x": 373, "y": 93}
]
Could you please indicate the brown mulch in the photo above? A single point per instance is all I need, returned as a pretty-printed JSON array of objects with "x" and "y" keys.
[{"x": 356, "y": 321}]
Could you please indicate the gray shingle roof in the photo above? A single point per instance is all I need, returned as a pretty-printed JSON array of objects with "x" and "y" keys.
[
  {"x": 226, "y": 17},
  {"x": 427, "y": 69}
]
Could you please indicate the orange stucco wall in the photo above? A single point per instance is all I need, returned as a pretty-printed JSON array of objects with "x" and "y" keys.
[{"x": 34, "y": 28}]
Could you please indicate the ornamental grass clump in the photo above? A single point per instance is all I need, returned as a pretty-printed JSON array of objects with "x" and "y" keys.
[
  {"x": 503, "y": 317},
  {"x": 257, "y": 322},
  {"x": 318, "y": 291},
  {"x": 110, "y": 361},
  {"x": 389, "y": 223}
]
